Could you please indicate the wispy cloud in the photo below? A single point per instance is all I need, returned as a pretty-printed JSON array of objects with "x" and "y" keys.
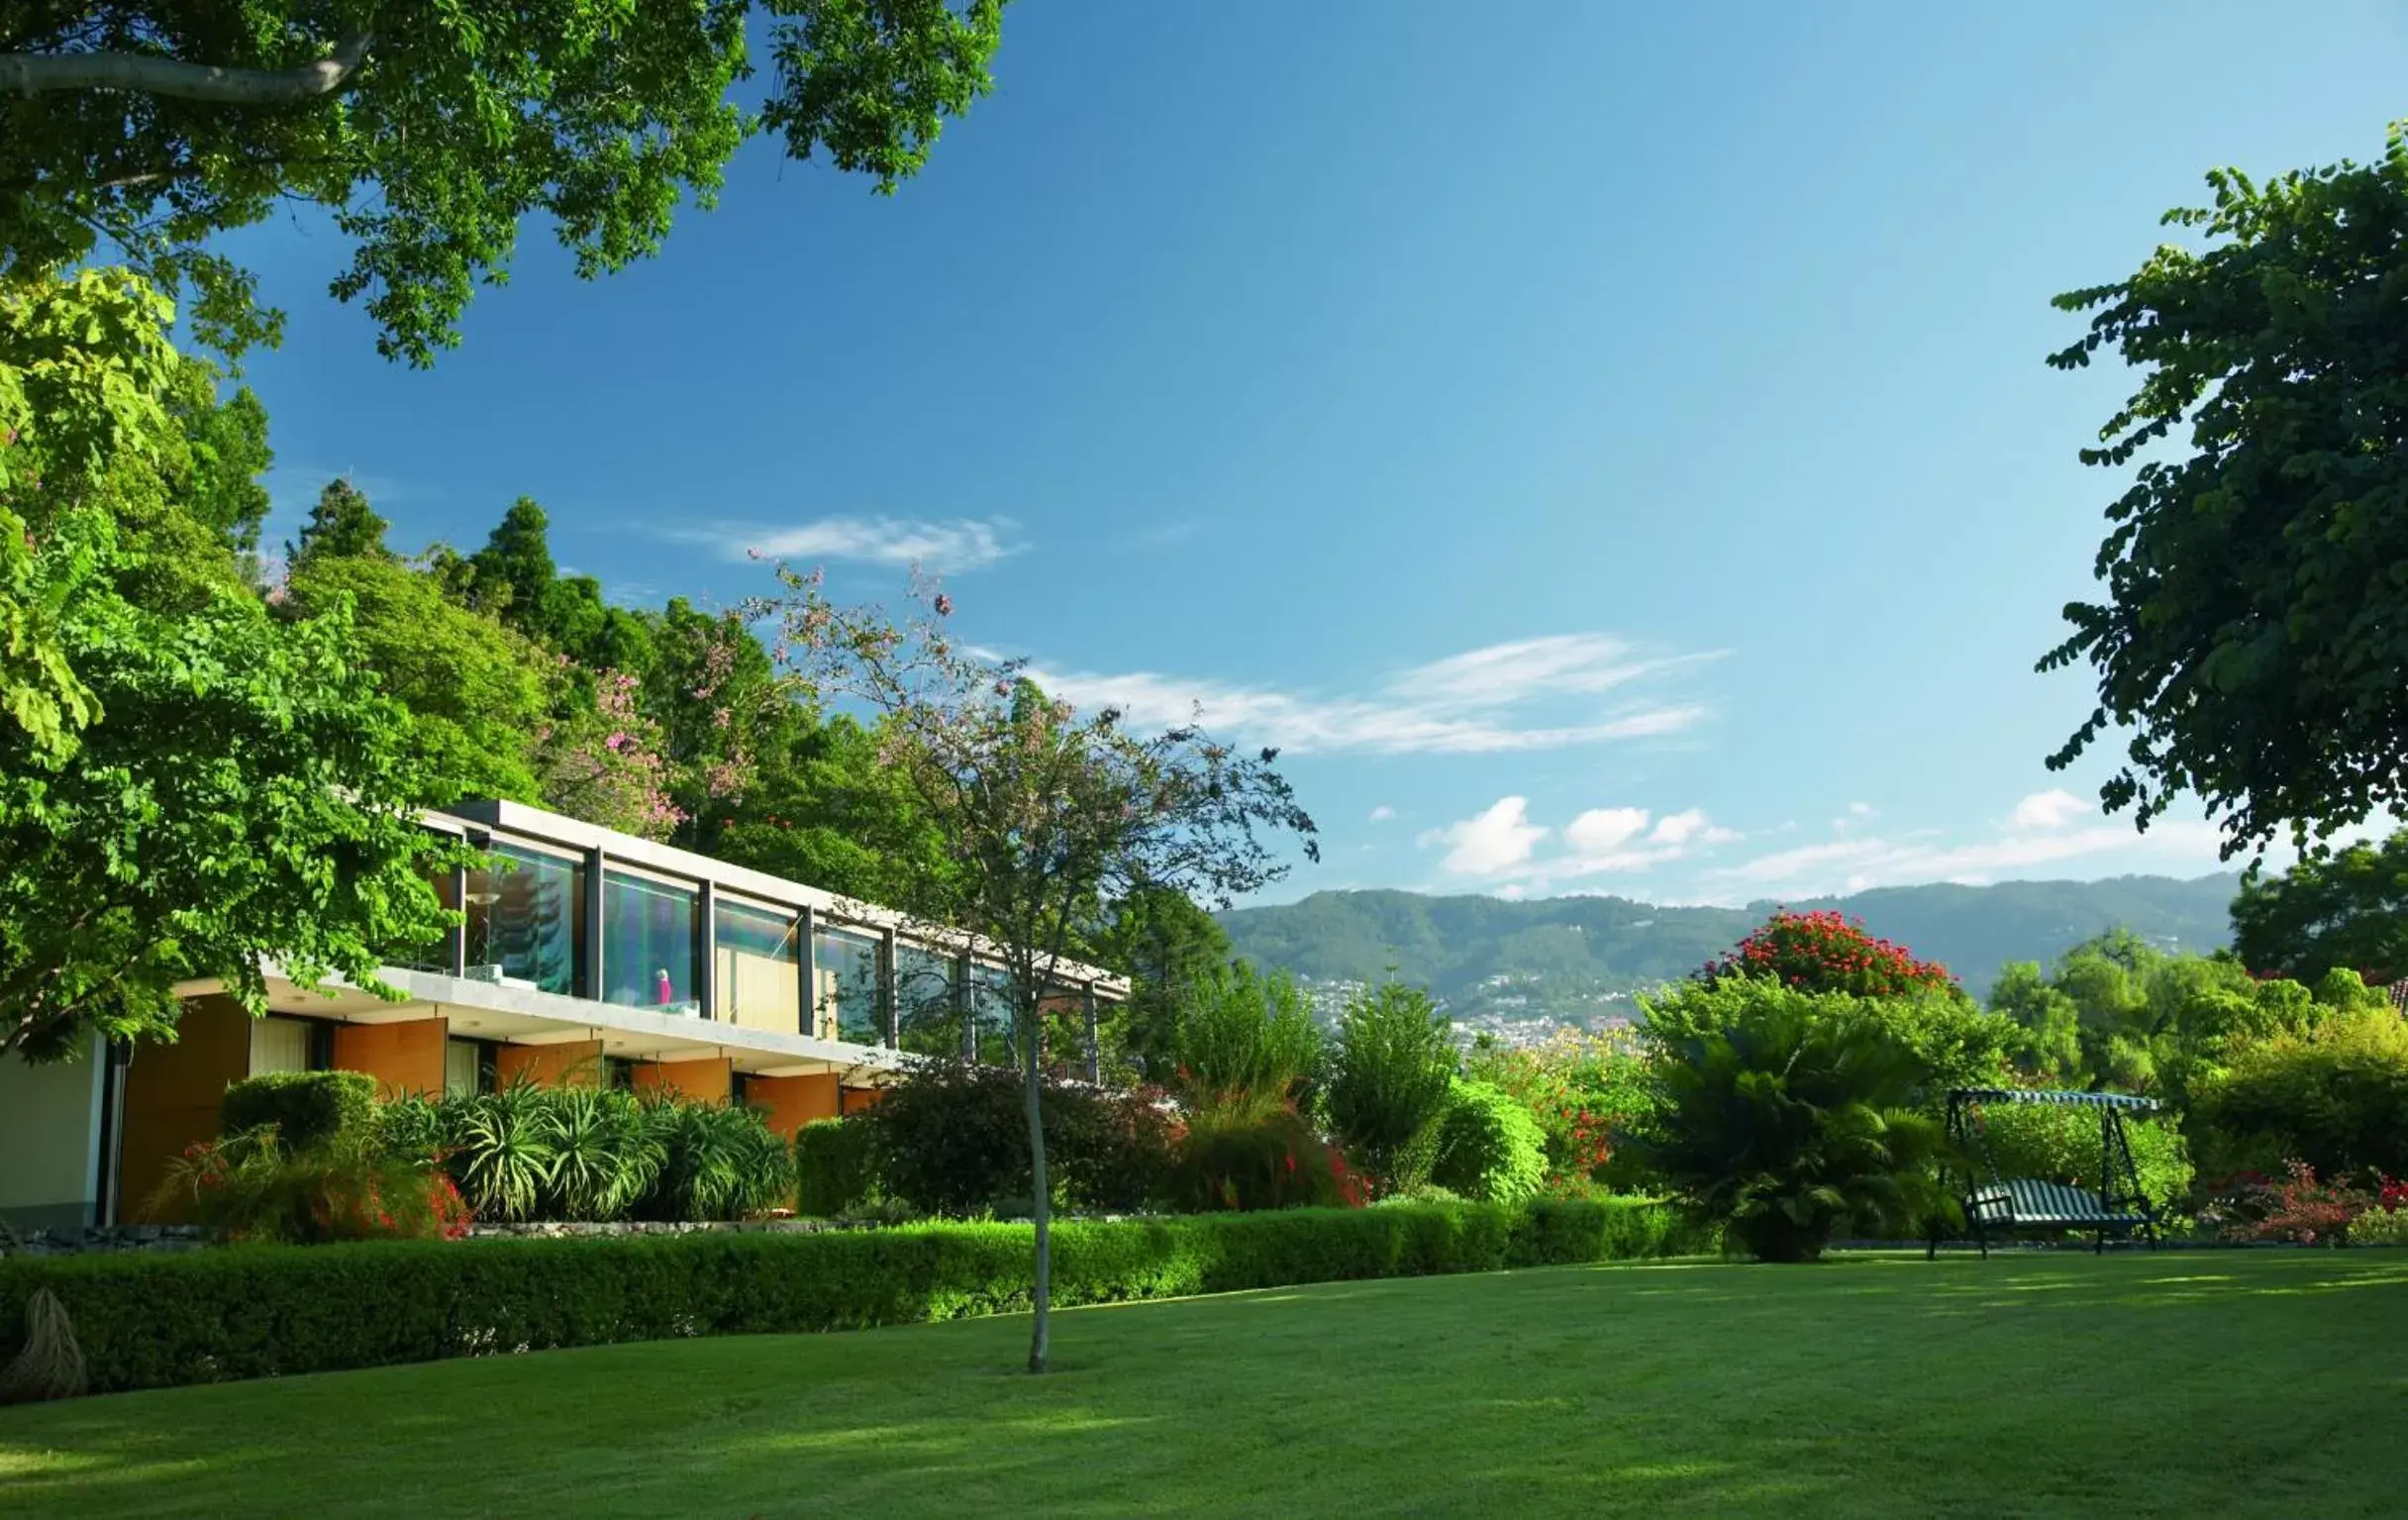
[
  {"x": 2040, "y": 830},
  {"x": 1164, "y": 535},
  {"x": 1480, "y": 702},
  {"x": 958, "y": 544},
  {"x": 1382, "y": 813}
]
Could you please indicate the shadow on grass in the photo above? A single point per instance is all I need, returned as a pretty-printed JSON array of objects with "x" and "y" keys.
[{"x": 1862, "y": 1386}]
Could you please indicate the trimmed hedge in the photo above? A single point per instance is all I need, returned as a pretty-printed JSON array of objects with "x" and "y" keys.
[
  {"x": 306, "y": 1107},
  {"x": 154, "y": 1320},
  {"x": 834, "y": 1170}
]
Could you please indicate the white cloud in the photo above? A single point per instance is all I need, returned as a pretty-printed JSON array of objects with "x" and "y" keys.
[
  {"x": 1854, "y": 864},
  {"x": 1602, "y": 830},
  {"x": 1491, "y": 841},
  {"x": 962, "y": 544},
  {"x": 1600, "y": 841},
  {"x": 1382, "y": 813},
  {"x": 1466, "y": 704},
  {"x": 2048, "y": 810}
]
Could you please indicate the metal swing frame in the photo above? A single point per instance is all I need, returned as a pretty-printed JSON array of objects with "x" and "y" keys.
[{"x": 2007, "y": 1205}]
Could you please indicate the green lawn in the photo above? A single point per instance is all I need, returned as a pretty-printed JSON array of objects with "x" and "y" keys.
[{"x": 2220, "y": 1383}]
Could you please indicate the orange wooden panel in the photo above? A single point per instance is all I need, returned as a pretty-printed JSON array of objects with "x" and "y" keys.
[
  {"x": 852, "y": 1100},
  {"x": 707, "y": 1081},
  {"x": 551, "y": 1065},
  {"x": 794, "y": 1101},
  {"x": 403, "y": 1058},
  {"x": 172, "y": 1093}
]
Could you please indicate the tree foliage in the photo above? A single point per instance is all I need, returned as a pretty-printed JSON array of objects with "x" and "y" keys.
[
  {"x": 431, "y": 133},
  {"x": 2254, "y": 620},
  {"x": 1390, "y": 1079},
  {"x": 2349, "y": 910}
]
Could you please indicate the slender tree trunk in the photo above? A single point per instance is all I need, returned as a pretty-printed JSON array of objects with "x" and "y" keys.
[{"x": 1040, "y": 1200}]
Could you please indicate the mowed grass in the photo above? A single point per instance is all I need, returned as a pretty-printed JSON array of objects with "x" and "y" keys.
[{"x": 2226, "y": 1383}]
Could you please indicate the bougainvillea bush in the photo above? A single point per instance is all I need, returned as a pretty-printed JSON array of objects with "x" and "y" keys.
[{"x": 1829, "y": 951}]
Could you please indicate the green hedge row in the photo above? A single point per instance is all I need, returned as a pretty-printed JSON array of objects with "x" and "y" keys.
[{"x": 159, "y": 1319}]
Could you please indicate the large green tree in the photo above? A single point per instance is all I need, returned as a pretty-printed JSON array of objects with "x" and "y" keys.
[
  {"x": 342, "y": 525},
  {"x": 188, "y": 787},
  {"x": 1169, "y": 948},
  {"x": 2254, "y": 620},
  {"x": 2347, "y": 910},
  {"x": 430, "y": 133}
]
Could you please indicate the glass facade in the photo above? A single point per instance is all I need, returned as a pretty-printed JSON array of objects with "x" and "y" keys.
[
  {"x": 990, "y": 1015},
  {"x": 758, "y": 980},
  {"x": 428, "y": 955},
  {"x": 928, "y": 1007},
  {"x": 527, "y": 920},
  {"x": 651, "y": 943},
  {"x": 848, "y": 1003}
]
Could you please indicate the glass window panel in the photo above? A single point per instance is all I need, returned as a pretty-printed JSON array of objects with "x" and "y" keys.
[
  {"x": 759, "y": 981},
  {"x": 278, "y": 1044},
  {"x": 651, "y": 944},
  {"x": 846, "y": 996},
  {"x": 527, "y": 920},
  {"x": 990, "y": 1008},
  {"x": 463, "y": 1066},
  {"x": 928, "y": 1013},
  {"x": 428, "y": 955}
]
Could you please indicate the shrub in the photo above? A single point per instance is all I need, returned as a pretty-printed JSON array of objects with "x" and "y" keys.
[
  {"x": 609, "y": 1149},
  {"x": 1585, "y": 1092},
  {"x": 717, "y": 1162},
  {"x": 158, "y": 1319},
  {"x": 1786, "y": 1115},
  {"x": 2334, "y": 1095},
  {"x": 2300, "y": 1208},
  {"x": 2381, "y": 1226},
  {"x": 250, "y": 1187},
  {"x": 834, "y": 1169},
  {"x": 1388, "y": 1084},
  {"x": 2061, "y": 1145},
  {"x": 953, "y": 1137},
  {"x": 1829, "y": 951},
  {"x": 306, "y": 1107},
  {"x": 1244, "y": 1036},
  {"x": 1489, "y": 1146},
  {"x": 1243, "y": 1160}
]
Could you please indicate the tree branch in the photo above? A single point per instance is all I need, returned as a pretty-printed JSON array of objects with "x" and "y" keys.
[{"x": 38, "y": 73}]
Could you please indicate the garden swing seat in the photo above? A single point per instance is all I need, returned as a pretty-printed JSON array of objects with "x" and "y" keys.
[{"x": 2006, "y": 1205}]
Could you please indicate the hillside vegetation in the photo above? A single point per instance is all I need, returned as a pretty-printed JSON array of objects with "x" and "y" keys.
[{"x": 1559, "y": 952}]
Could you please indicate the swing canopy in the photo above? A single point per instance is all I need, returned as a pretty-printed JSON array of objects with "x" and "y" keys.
[{"x": 2004, "y": 1205}]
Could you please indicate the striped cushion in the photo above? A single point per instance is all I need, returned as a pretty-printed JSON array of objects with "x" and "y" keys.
[{"x": 2030, "y": 1201}]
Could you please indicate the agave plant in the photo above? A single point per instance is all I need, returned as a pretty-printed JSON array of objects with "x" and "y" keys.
[
  {"x": 502, "y": 1149},
  {"x": 719, "y": 1162},
  {"x": 606, "y": 1155},
  {"x": 1787, "y": 1116}
]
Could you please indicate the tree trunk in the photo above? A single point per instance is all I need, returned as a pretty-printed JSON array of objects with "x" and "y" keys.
[{"x": 1039, "y": 1202}]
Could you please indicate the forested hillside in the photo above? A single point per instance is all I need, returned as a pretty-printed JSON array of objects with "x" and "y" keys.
[{"x": 1474, "y": 951}]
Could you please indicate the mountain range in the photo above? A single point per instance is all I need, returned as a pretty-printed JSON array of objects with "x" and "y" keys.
[{"x": 1574, "y": 956}]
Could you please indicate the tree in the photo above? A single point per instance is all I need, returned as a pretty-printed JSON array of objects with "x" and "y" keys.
[
  {"x": 603, "y": 764},
  {"x": 2350, "y": 910},
  {"x": 341, "y": 524},
  {"x": 1168, "y": 948},
  {"x": 186, "y": 784},
  {"x": 478, "y": 693},
  {"x": 1044, "y": 812},
  {"x": 431, "y": 133},
  {"x": 1390, "y": 1079},
  {"x": 245, "y": 794},
  {"x": 2254, "y": 621}
]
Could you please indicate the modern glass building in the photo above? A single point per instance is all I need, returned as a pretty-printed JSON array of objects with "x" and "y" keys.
[{"x": 581, "y": 954}]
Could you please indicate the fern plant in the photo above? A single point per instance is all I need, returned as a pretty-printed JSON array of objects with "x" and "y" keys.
[{"x": 1788, "y": 1115}]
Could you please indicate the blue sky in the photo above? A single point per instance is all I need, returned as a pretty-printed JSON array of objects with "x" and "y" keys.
[{"x": 1609, "y": 447}]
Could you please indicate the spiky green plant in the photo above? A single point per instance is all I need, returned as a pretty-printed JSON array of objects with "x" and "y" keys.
[
  {"x": 605, "y": 1155},
  {"x": 502, "y": 1149}
]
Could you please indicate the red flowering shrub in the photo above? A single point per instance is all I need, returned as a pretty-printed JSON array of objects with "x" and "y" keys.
[
  {"x": 2296, "y": 1208},
  {"x": 247, "y": 1187},
  {"x": 1248, "y": 1161},
  {"x": 1828, "y": 952}
]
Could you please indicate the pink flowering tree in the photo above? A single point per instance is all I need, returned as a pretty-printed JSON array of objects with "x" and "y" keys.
[
  {"x": 1046, "y": 811},
  {"x": 604, "y": 763}
]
